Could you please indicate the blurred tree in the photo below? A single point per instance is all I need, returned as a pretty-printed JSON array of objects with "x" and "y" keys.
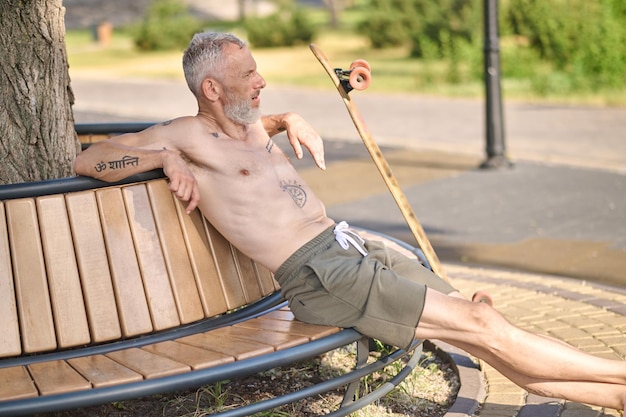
[
  {"x": 37, "y": 137},
  {"x": 288, "y": 26},
  {"x": 586, "y": 40},
  {"x": 334, "y": 7},
  {"x": 421, "y": 23},
  {"x": 167, "y": 24},
  {"x": 241, "y": 6}
]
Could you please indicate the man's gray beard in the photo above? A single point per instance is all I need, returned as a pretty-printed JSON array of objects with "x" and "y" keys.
[{"x": 241, "y": 112}]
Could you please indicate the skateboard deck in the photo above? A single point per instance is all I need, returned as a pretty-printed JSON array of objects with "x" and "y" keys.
[{"x": 358, "y": 77}]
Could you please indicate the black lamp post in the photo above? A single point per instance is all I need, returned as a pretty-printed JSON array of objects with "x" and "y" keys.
[{"x": 495, "y": 144}]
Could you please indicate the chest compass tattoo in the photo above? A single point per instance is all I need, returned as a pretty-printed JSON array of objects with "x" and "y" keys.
[
  {"x": 269, "y": 145},
  {"x": 296, "y": 192}
]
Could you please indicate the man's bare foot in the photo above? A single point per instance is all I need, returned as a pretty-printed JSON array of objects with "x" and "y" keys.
[{"x": 482, "y": 297}]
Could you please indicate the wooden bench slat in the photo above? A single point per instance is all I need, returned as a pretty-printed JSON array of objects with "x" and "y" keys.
[
  {"x": 102, "y": 371},
  {"x": 31, "y": 285},
  {"x": 193, "y": 356},
  {"x": 278, "y": 340},
  {"x": 239, "y": 348},
  {"x": 229, "y": 273},
  {"x": 57, "y": 377},
  {"x": 293, "y": 327},
  {"x": 66, "y": 294},
  {"x": 92, "y": 138},
  {"x": 282, "y": 314},
  {"x": 10, "y": 340},
  {"x": 248, "y": 278},
  {"x": 175, "y": 253},
  {"x": 147, "y": 364},
  {"x": 127, "y": 284},
  {"x": 93, "y": 266},
  {"x": 16, "y": 383},
  {"x": 202, "y": 261},
  {"x": 266, "y": 279},
  {"x": 150, "y": 255}
]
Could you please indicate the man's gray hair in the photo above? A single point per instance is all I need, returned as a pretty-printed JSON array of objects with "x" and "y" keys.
[{"x": 205, "y": 58}]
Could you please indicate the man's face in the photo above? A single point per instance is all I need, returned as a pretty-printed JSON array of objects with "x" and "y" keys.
[{"x": 242, "y": 87}]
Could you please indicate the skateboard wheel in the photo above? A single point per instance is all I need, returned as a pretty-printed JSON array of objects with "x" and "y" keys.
[
  {"x": 482, "y": 297},
  {"x": 360, "y": 78},
  {"x": 361, "y": 63}
]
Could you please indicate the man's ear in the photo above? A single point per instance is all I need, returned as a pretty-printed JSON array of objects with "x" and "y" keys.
[{"x": 211, "y": 89}]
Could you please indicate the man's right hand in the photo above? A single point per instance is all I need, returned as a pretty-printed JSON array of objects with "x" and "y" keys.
[{"x": 182, "y": 183}]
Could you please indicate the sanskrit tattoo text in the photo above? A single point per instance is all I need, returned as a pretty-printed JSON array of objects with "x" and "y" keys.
[{"x": 127, "y": 160}]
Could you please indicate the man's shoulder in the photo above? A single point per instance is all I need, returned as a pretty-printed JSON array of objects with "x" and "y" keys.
[
  {"x": 179, "y": 122},
  {"x": 171, "y": 130}
]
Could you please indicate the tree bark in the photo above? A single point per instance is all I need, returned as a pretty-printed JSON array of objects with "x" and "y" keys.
[
  {"x": 241, "y": 8},
  {"x": 37, "y": 137},
  {"x": 334, "y": 7}
]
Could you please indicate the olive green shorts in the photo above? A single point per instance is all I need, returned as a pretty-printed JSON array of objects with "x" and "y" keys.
[{"x": 381, "y": 295}]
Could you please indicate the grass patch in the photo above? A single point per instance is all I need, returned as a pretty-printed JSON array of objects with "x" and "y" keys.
[
  {"x": 119, "y": 59},
  {"x": 392, "y": 70}
]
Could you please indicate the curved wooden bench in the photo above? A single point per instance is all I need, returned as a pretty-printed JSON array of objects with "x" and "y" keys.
[{"x": 111, "y": 291}]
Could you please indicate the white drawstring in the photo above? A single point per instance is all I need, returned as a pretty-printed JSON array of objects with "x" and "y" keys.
[{"x": 344, "y": 236}]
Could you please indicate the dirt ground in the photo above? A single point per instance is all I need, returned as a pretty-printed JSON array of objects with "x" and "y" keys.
[{"x": 428, "y": 392}]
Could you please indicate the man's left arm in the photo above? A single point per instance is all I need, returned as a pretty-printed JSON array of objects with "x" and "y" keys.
[
  {"x": 299, "y": 132},
  {"x": 275, "y": 123}
]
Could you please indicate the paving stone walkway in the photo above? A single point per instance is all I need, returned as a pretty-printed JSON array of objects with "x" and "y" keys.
[{"x": 588, "y": 316}]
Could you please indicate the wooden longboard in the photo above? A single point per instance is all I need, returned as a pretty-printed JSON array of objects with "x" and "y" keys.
[{"x": 358, "y": 77}]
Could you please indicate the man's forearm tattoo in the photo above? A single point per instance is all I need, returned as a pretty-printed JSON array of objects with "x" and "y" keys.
[
  {"x": 127, "y": 160},
  {"x": 296, "y": 192}
]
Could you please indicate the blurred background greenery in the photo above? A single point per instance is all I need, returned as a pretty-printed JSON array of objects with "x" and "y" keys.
[{"x": 567, "y": 51}]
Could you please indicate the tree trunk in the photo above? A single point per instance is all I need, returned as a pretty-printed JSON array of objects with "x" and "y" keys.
[
  {"x": 37, "y": 137},
  {"x": 334, "y": 7},
  {"x": 241, "y": 5}
]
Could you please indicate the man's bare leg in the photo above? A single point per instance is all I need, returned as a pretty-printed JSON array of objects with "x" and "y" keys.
[
  {"x": 578, "y": 391},
  {"x": 539, "y": 364},
  {"x": 485, "y": 297}
]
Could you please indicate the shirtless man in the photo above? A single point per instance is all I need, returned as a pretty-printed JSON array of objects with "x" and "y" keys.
[{"x": 224, "y": 162}]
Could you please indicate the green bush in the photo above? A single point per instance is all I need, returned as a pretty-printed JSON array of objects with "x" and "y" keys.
[
  {"x": 584, "y": 40},
  {"x": 556, "y": 46},
  {"x": 166, "y": 25},
  {"x": 553, "y": 28},
  {"x": 601, "y": 62},
  {"x": 389, "y": 22},
  {"x": 447, "y": 23},
  {"x": 443, "y": 22},
  {"x": 383, "y": 30},
  {"x": 287, "y": 27}
]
